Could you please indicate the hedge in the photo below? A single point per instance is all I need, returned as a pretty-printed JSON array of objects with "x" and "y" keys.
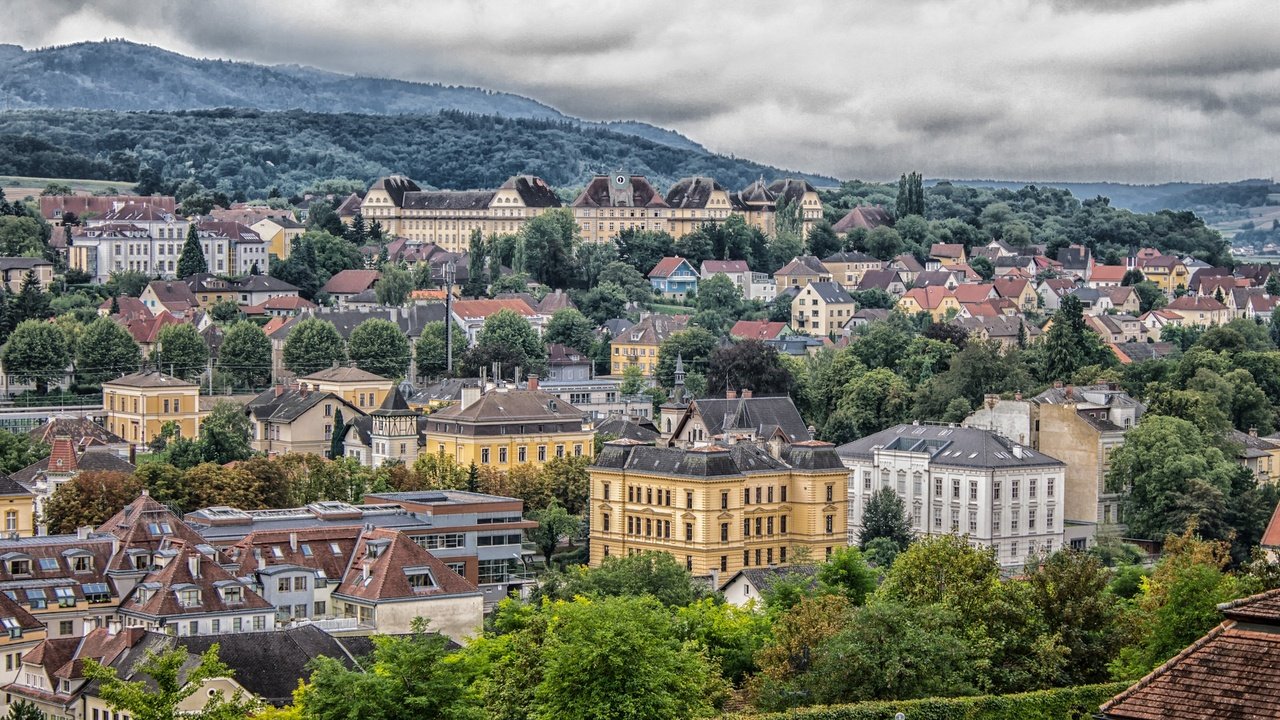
[{"x": 1071, "y": 703}]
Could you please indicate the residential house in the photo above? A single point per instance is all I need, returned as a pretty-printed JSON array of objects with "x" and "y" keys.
[
  {"x": 638, "y": 345},
  {"x": 14, "y": 272},
  {"x": 1021, "y": 265},
  {"x": 1115, "y": 329},
  {"x": 1022, "y": 292},
  {"x": 358, "y": 388},
  {"x": 571, "y": 377},
  {"x": 612, "y": 203},
  {"x": 758, "y": 330},
  {"x": 174, "y": 296},
  {"x": 191, "y": 592},
  {"x": 1107, "y": 276},
  {"x": 146, "y": 330},
  {"x": 821, "y": 309},
  {"x": 1166, "y": 271},
  {"x": 717, "y": 508},
  {"x": 471, "y": 314},
  {"x": 392, "y": 581},
  {"x": 89, "y": 208},
  {"x": 286, "y": 307},
  {"x": 60, "y": 580},
  {"x": 750, "y": 586},
  {"x": 867, "y": 217},
  {"x": 937, "y": 278},
  {"x": 278, "y": 233},
  {"x": 1257, "y": 454},
  {"x": 64, "y": 463},
  {"x": 1233, "y": 671},
  {"x": 735, "y": 270},
  {"x": 936, "y": 300},
  {"x": 503, "y": 427},
  {"x": 1010, "y": 332},
  {"x": 1155, "y": 321},
  {"x": 1076, "y": 261},
  {"x": 348, "y": 283},
  {"x": 296, "y": 420},
  {"x": 948, "y": 254},
  {"x": 847, "y": 268},
  {"x": 801, "y": 271},
  {"x": 138, "y": 405},
  {"x": 993, "y": 491},
  {"x": 674, "y": 277},
  {"x": 1123, "y": 299},
  {"x": 1199, "y": 311},
  {"x": 22, "y": 632},
  {"x": 974, "y": 293},
  {"x": 18, "y": 505},
  {"x": 908, "y": 267},
  {"x": 890, "y": 281}
]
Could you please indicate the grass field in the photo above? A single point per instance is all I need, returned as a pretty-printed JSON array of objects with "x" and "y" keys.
[
  {"x": 672, "y": 309},
  {"x": 16, "y": 188}
]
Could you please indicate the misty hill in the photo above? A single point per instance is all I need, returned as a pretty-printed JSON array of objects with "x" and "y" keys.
[
  {"x": 252, "y": 151},
  {"x": 122, "y": 75}
]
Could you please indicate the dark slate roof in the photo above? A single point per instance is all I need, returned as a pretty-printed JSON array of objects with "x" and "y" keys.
[
  {"x": 449, "y": 199},
  {"x": 507, "y": 404},
  {"x": 949, "y": 446},
  {"x": 850, "y": 257},
  {"x": 692, "y": 192},
  {"x": 262, "y": 283},
  {"x": 288, "y": 406},
  {"x": 623, "y": 427},
  {"x": 761, "y": 414},
  {"x": 1138, "y": 351},
  {"x": 616, "y": 326},
  {"x": 270, "y": 664},
  {"x": 763, "y": 578},
  {"x": 396, "y": 186},
  {"x": 9, "y": 486},
  {"x": 394, "y": 404},
  {"x": 831, "y": 292},
  {"x": 22, "y": 263},
  {"x": 879, "y": 279},
  {"x": 812, "y": 455},
  {"x": 699, "y": 462},
  {"x": 599, "y": 193},
  {"x": 533, "y": 191},
  {"x": 790, "y": 189},
  {"x": 150, "y": 379}
]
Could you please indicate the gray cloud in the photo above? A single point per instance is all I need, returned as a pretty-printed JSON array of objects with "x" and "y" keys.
[{"x": 1138, "y": 90}]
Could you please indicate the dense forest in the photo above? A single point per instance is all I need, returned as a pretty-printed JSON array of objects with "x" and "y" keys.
[{"x": 252, "y": 152}]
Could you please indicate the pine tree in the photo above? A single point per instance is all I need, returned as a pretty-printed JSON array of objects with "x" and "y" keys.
[
  {"x": 358, "y": 233},
  {"x": 339, "y": 429},
  {"x": 192, "y": 260},
  {"x": 33, "y": 302},
  {"x": 253, "y": 269},
  {"x": 1273, "y": 284}
]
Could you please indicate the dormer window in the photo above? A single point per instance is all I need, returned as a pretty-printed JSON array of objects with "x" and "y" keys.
[
  {"x": 12, "y": 627},
  {"x": 142, "y": 595},
  {"x": 82, "y": 563},
  {"x": 233, "y": 594},
  {"x": 420, "y": 580},
  {"x": 66, "y": 596},
  {"x": 20, "y": 567},
  {"x": 189, "y": 597}
]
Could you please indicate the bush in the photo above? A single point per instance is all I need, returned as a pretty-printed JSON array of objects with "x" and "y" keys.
[{"x": 1071, "y": 703}]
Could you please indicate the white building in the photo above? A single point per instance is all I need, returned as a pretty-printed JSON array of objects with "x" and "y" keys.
[{"x": 964, "y": 481}]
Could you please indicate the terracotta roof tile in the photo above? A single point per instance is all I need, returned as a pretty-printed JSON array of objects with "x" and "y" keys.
[
  {"x": 350, "y": 282},
  {"x": 384, "y": 563}
]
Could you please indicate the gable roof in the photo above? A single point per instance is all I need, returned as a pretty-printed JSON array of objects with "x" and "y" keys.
[
  {"x": 150, "y": 379},
  {"x": 761, "y": 414},
  {"x": 830, "y": 292},
  {"x": 692, "y": 192},
  {"x": 867, "y": 217},
  {"x": 757, "y": 329},
  {"x": 350, "y": 282},
  {"x": 653, "y": 329},
  {"x": 505, "y": 404},
  {"x": 173, "y": 294},
  {"x": 946, "y": 250},
  {"x": 929, "y": 298},
  {"x": 879, "y": 279},
  {"x": 382, "y": 565},
  {"x": 82, "y": 431},
  {"x": 711, "y": 267},
  {"x": 1107, "y": 273},
  {"x": 165, "y": 583},
  {"x": 485, "y": 308},
  {"x": 803, "y": 265},
  {"x": 973, "y": 292},
  {"x": 625, "y": 428},
  {"x": 764, "y": 578},
  {"x": 668, "y": 265},
  {"x": 1195, "y": 303}
]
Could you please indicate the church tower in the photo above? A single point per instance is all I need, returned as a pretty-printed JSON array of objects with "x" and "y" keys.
[
  {"x": 394, "y": 432},
  {"x": 673, "y": 410}
]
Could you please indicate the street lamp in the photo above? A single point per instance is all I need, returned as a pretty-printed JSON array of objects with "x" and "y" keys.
[{"x": 450, "y": 271}]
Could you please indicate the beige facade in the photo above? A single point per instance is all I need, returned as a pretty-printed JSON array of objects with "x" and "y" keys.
[
  {"x": 821, "y": 309},
  {"x": 700, "y": 507},
  {"x": 458, "y": 617},
  {"x": 139, "y": 405},
  {"x": 362, "y": 390}
]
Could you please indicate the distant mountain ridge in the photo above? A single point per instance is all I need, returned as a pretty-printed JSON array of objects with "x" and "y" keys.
[{"x": 123, "y": 75}]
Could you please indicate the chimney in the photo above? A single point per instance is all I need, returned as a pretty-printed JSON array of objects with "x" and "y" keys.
[
  {"x": 83, "y": 532},
  {"x": 113, "y": 626},
  {"x": 1067, "y": 390},
  {"x": 470, "y": 394},
  {"x": 1253, "y": 431},
  {"x": 305, "y": 389},
  {"x": 1017, "y": 395},
  {"x": 533, "y": 381},
  {"x": 193, "y": 564},
  {"x": 731, "y": 394},
  {"x": 293, "y": 541},
  {"x": 279, "y": 388},
  {"x": 42, "y": 529},
  {"x": 746, "y": 394}
]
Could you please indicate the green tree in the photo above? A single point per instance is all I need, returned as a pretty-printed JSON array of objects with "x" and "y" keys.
[
  {"x": 798, "y": 637},
  {"x": 870, "y": 403},
  {"x": 642, "y": 249},
  {"x": 245, "y": 355},
  {"x": 429, "y": 351},
  {"x": 549, "y": 241},
  {"x": 910, "y": 195},
  {"x": 620, "y": 658},
  {"x": 693, "y": 345},
  {"x": 36, "y": 352},
  {"x": 719, "y": 294},
  {"x": 983, "y": 267},
  {"x": 89, "y": 499},
  {"x": 23, "y": 710},
  {"x": 224, "y": 434},
  {"x": 554, "y": 523},
  {"x": 1069, "y": 590},
  {"x": 847, "y": 573},
  {"x": 105, "y": 351},
  {"x": 884, "y": 243},
  {"x": 885, "y": 516},
  {"x": 748, "y": 364},
  {"x": 570, "y": 328},
  {"x": 129, "y": 283},
  {"x": 380, "y": 347},
  {"x": 225, "y": 311},
  {"x": 507, "y": 337},
  {"x": 634, "y": 284},
  {"x": 632, "y": 380},
  {"x": 313, "y": 345},
  {"x": 477, "y": 279},
  {"x": 406, "y": 678},
  {"x": 394, "y": 286},
  {"x": 336, "y": 449},
  {"x": 646, "y": 573},
  {"x": 1069, "y": 344},
  {"x": 604, "y": 302},
  {"x": 181, "y": 351},
  {"x": 192, "y": 261},
  {"x": 731, "y": 635},
  {"x": 944, "y": 570},
  {"x": 172, "y": 682},
  {"x": 32, "y": 302},
  {"x": 18, "y": 451}
]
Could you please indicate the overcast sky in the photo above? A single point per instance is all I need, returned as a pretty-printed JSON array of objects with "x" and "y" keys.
[{"x": 1132, "y": 90}]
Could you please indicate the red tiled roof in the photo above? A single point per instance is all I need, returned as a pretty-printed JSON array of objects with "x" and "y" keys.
[
  {"x": 378, "y": 571},
  {"x": 258, "y": 549},
  {"x": 285, "y": 302},
  {"x": 946, "y": 250},
  {"x": 350, "y": 282},
  {"x": 485, "y": 308},
  {"x": 1196, "y": 303},
  {"x": 972, "y": 293},
  {"x": 668, "y": 265},
  {"x": 1007, "y": 287},
  {"x": 757, "y": 329},
  {"x": 62, "y": 456},
  {"x": 930, "y": 297},
  {"x": 130, "y": 308},
  {"x": 863, "y": 216},
  {"x": 163, "y": 601},
  {"x": 274, "y": 324},
  {"x": 146, "y": 331},
  {"x": 1107, "y": 273}
]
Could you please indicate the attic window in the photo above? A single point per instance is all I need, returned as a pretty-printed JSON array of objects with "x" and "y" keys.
[
  {"x": 233, "y": 594},
  {"x": 420, "y": 579},
  {"x": 48, "y": 563},
  {"x": 277, "y": 551},
  {"x": 11, "y": 626},
  {"x": 189, "y": 597},
  {"x": 306, "y": 550},
  {"x": 333, "y": 547}
]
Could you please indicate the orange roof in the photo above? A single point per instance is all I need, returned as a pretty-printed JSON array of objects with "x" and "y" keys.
[
  {"x": 1107, "y": 273},
  {"x": 427, "y": 295},
  {"x": 274, "y": 324},
  {"x": 1271, "y": 538},
  {"x": 62, "y": 456},
  {"x": 668, "y": 265},
  {"x": 1008, "y": 287},
  {"x": 485, "y": 308},
  {"x": 930, "y": 297},
  {"x": 972, "y": 293},
  {"x": 757, "y": 329},
  {"x": 146, "y": 331}
]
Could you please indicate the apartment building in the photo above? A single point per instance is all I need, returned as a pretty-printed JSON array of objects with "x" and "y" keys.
[
  {"x": 964, "y": 481},
  {"x": 612, "y": 203},
  {"x": 821, "y": 308},
  {"x": 139, "y": 404},
  {"x": 638, "y": 345}
]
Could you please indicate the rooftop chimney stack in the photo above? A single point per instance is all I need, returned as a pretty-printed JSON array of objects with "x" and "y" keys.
[
  {"x": 193, "y": 564},
  {"x": 746, "y": 394},
  {"x": 533, "y": 381},
  {"x": 731, "y": 394}
]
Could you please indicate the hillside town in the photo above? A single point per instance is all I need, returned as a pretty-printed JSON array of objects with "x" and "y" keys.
[{"x": 290, "y": 429}]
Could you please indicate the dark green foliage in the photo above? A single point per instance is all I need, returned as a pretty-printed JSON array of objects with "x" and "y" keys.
[
  {"x": 571, "y": 329},
  {"x": 37, "y": 352},
  {"x": 32, "y": 302},
  {"x": 181, "y": 351},
  {"x": 313, "y": 345},
  {"x": 886, "y": 517},
  {"x": 910, "y": 195},
  {"x": 378, "y": 346},
  {"x": 430, "y": 355},
  {"x": 192, "y": 261},
  {"x": 339, "y": 431},
  {"x": 19, "y": 451},
  {"x": 748, "y": 365},
  {"x": 245, "y": 355},
  {"x": 506, "y": 338},
  {"x": 647, "y": 573},
  {"x": 105, "y": 351}
]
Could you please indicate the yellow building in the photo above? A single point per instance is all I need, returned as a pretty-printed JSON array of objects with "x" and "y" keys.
[
  {"x": 360, "y": 389},
  {"x": 278, "y": 233},
  {"x": 1166, "y": 271},
  {"x": 936, "y": 300},
  {"x": 847, "y": 268},
  {"x": 638, "y": 345},
  {"x": 1199, "y": 310},
  {"x": 718, "y": 509},
  {"x": 760, "y": 202},
  {"x": 821, "y": 308},
  {"x": 698, "y": 201},
  {"x": 447, "y": 217},
  {"x": 138, "y": 406},
  {"x": 505, "y": 427},
  {"x": 613, "y": 203},
  {"x": 17, "y": 508}
]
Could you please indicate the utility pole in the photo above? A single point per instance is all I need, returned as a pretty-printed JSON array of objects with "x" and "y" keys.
[{"x": 449, "y": 272}]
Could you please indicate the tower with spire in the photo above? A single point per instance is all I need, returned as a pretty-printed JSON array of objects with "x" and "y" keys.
[
  {"x": 672, "y": 411},
  {"x": 393, "y": 434}
]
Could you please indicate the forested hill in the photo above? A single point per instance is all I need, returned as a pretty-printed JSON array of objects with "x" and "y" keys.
[
  {"x": 121, "y": 75},
  {"x": 251, "y": 152}
]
